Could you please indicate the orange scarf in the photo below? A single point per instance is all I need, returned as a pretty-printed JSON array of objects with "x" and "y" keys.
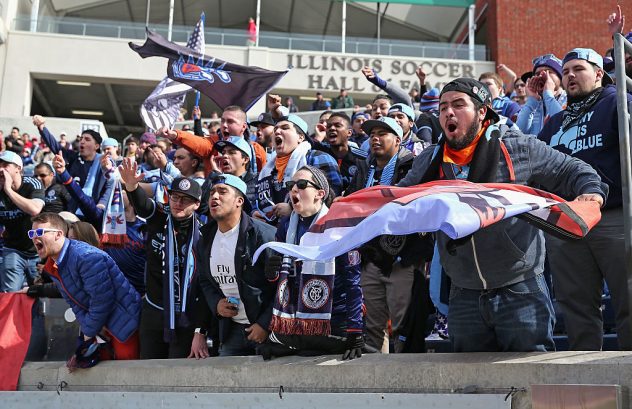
[
  {"x": 464, "y": 156},
  {"x": 280, "y": 164}
]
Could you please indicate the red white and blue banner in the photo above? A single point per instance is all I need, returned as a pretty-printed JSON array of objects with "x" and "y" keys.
[{"x": 457, "y": 208}]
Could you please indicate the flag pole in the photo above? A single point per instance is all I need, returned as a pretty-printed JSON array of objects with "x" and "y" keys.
[
  {"x": 197, "y": 99},
  {"x": 147, "y": 15}
]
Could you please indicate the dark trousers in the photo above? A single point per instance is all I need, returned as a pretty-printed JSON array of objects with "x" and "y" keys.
[
  {"x": 152, "y": 344},
  {"x": 579, "y": 268}
]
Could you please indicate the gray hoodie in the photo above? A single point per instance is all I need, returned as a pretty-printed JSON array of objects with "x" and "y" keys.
[{"x": 512, "y": 250}]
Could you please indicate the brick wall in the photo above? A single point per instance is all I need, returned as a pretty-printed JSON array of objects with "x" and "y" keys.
[{"x": 519, "y": 30}]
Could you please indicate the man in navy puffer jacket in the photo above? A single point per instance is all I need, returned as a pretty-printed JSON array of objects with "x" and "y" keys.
[{"x": 103, "y": 301}]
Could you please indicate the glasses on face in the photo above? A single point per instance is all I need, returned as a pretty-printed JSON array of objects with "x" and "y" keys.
[
  {"x": 39, "y": 232},
  {"x": 301, "y": 184},
  {"x": 181, "y": 198}
]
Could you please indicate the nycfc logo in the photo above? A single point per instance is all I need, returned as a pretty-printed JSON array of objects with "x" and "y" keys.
[
  {"x": 283, "y": 294},
  {"x": 352, "y": 170},
  {"x": 392, "y": 244},
  {"x": 354, "y": 258},
  {"x": 190, "y": 70},
  {"x": 315, "y": 293},
  {"x": 184, "y": 184},
  {"x": 51, "y": 194},
  {"x": 260, "y": 117}
]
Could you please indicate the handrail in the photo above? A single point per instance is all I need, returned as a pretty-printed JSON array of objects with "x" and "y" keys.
[
  {"x": 624, "y": 85},
  {"x": 230, "y": 37}
]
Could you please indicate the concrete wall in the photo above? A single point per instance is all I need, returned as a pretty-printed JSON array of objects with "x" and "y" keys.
[
  {"x": 396, "y": 373},
  {"x": 98, "y": 59}
]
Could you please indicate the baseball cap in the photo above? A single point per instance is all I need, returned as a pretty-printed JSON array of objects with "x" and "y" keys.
[
  {"x": 186, "y": 186},
  {"x": 230, "y": 180},
  {"x": 235, "y": 182},
  {"x": 11, "y": 157},
  {"x": 296, "y": 120},
  {"x": 429, "y": 101},
  {"x": 366, "y": 115},
  {"x": 383, "y": 122},
  {"x": 264, "y": 119},
  {"x": 107, "y": 142},
  {"x": 590, "y": 55},
  {"x": 403, "y": 108},
  {"x": 237, "y": 142},
  {"x": 548, "y": 60},
  {"x": 476, "y": 90}
]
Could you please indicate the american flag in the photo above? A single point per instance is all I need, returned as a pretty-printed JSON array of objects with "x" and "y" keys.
[{"x": 162, "y": 106}]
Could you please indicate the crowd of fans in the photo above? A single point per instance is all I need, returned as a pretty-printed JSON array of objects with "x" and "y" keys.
[{"x": 152, "y": 243}]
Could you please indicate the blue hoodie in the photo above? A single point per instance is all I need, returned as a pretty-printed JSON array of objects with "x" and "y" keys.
[{"x": 593, "y": 138}]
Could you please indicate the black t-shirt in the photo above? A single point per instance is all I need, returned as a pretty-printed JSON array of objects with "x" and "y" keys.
[
  {"x": 16, "y": 222},
  {"x": 56, "y": 198}
]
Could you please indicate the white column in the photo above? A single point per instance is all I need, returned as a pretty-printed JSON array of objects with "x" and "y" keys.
[
  {"x": 34, "y": 13},
  {"x": 257, "y": 22},
  {"x": 378, "y": 28},
  {"x": 344, "y": 26},
  {"x": 472, "y": 30},
  {"x": 170, "y": 20}
]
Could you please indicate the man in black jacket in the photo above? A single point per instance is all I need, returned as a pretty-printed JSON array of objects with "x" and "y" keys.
[
  {"x": 168, "y": 316},
  {"x": 390, "y": 264},
  {"x": 235, "y": 290}
]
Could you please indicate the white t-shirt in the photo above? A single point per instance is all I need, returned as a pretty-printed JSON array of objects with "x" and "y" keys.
[{"x": 222, "y": 263}]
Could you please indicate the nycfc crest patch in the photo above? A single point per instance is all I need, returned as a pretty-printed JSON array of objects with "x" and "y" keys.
[
  {"x": 184, "y": 184},
  {"x": 354, "y": 258},
  {"x": 315, "y": 293}
]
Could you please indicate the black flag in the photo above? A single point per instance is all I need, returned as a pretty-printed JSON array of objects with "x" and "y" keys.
[{"x": 223, "y": 82}]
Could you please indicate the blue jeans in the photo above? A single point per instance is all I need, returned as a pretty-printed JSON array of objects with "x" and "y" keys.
[
  {"x": 236, "y": 342},
  {"x": 16, "y": 269},
  {"x": 514, "y": 318}
]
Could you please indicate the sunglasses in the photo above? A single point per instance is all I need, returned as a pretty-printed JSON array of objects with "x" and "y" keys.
[
  {"x": 301, "y": 184},
  {"x": 39, "y": 232}
]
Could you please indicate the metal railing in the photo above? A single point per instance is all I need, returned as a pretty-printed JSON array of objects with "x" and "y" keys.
[
  {"x": 624, "y": 85},
  {"x": 229, "y": 37}
]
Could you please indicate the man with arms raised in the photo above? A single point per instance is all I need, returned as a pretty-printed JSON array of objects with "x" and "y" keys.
[{"x": 167, "y": 328}]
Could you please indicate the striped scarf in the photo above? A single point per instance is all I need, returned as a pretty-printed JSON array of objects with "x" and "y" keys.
[
  {"x": 304, "y": 299},
  {"x": 386, "y": 179},
  {"x": 176, "y": 288}
]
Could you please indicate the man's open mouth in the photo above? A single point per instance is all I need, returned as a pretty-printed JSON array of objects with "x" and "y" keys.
[{"x": 278, "y": 140}]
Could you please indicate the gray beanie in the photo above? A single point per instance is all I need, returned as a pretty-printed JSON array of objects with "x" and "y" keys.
[{"x": 319, "y": 178}]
